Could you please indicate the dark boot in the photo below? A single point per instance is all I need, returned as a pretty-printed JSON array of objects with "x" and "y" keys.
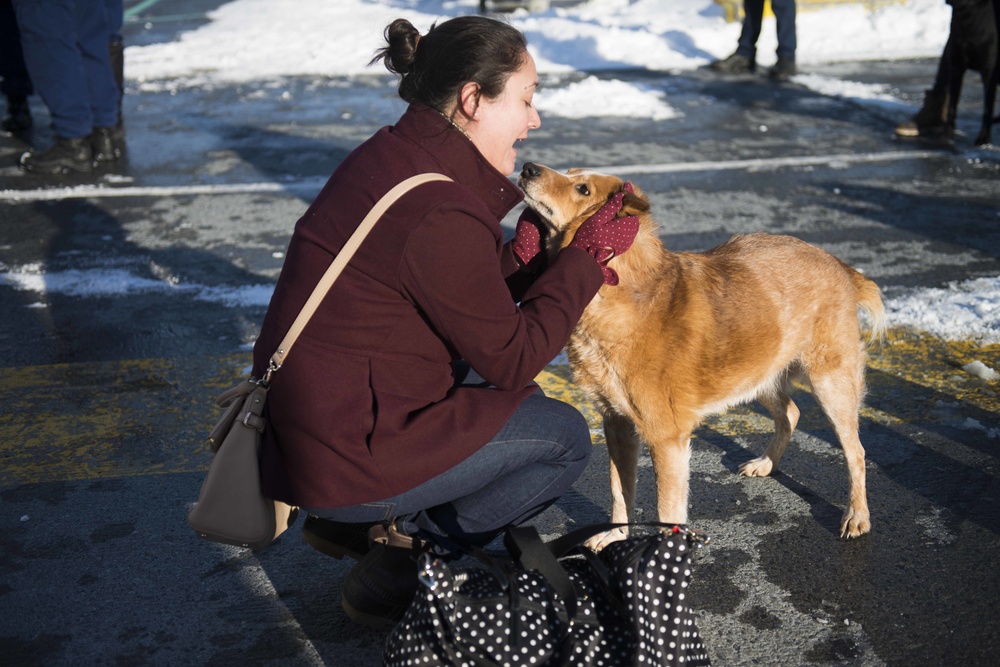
[
  {"x": 932, "y": 119},
  {"x": 67, "y": 155},
  {"x": 783, "y": 70},
  {"x": 734, "y": 64},
  {"x": 381, "y": 586},
  {"x": 18, "y": 116},
  {"x": 337, "y": 539},
  {"x": 106, "y": 143}
]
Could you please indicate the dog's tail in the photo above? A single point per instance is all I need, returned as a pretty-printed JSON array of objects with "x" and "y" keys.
[{"x": 870, "y": 302}]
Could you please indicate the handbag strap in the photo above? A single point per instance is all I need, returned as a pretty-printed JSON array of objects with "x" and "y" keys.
[
  {"x": 339, "y": 262},
  {"x": 526, "y": 547}
]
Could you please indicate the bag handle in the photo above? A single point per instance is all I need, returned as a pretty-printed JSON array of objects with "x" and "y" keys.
[
  {"x": 561, "y": 546},
  {"x": 339, "y": 262},
  {"x": 526, "y": 547}
]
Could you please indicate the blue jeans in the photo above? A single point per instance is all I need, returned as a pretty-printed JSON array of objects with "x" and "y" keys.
[
  {"x": 65, "y": 45},
  {"x": 115, "y": 11},
  {"x": 532, "y": 461},
  {"x": 784, "y": 14}
]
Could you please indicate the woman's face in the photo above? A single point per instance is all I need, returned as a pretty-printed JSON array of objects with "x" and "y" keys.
[{"x": 499, "y": 122}]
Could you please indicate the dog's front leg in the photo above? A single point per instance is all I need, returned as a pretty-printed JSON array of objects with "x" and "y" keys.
[
  {"x": 623, "y": 452},
  {"x": 672, "y": 464}
]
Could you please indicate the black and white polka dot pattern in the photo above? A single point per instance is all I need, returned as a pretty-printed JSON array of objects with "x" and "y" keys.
[{"x": 466, "y": 616}]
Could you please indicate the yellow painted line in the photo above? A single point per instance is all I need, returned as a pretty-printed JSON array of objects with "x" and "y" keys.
[
  {"x": 96, "y": 420},
  {"x": 911, "y": 376},
  {"x": 110, "y": 419}
]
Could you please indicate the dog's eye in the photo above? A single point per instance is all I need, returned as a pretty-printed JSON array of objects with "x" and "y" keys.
[{"x": 583, "y": 190}]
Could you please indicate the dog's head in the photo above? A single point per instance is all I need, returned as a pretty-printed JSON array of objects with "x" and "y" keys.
[{"x": 565, "y": 201}]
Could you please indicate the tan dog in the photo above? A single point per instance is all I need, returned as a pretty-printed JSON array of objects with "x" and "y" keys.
[{"x": 687, "y": 335}]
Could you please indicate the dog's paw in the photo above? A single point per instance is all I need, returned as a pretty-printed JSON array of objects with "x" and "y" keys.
[
  {"x": 601, "y": 540},
  {"x": 855, "y": 523},
  {"x": 759, "y": 467}
]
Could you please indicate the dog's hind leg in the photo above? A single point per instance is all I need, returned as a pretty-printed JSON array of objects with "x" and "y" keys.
[
  {"x": 991, "y": 76},
  {"x": 623, "y": 451},
  {"x": 786, "y": 416},
  {"x": 839, "y": 392}
]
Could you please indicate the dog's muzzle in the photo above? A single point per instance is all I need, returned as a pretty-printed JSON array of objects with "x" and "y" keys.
[{"x": 530, "y": 170}]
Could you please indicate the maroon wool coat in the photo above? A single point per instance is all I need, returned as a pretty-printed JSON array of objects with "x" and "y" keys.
[{"x": 365, "y": 406}]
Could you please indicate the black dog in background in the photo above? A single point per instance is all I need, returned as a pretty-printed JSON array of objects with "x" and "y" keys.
[{"x": 973, "y": 45}]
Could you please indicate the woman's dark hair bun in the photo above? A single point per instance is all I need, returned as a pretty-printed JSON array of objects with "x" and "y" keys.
[
  {"x": 401, "y": 50},
  {"x": 464, "y": 49}
]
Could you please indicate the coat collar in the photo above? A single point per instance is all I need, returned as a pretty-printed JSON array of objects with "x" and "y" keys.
[{"x": 458, "y": 157}]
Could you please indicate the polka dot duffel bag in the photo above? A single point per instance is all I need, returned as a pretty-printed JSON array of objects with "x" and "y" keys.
[{"x": 556, "y": 603}]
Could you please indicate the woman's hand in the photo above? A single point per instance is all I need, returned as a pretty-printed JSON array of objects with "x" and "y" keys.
[
  {"x": 528, "y": 235},
  {"x": 603, "y": 235}
]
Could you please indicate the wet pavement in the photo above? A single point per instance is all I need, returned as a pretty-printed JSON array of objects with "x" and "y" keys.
[{"x": 108, "y": 393}]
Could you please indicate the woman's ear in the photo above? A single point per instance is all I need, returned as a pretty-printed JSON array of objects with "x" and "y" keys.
[{"x": 468, "y": 101}]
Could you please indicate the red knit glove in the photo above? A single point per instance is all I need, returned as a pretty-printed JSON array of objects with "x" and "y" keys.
[
  {"x": 604, "y": 236},
  {"x": 527, "y": 236}
]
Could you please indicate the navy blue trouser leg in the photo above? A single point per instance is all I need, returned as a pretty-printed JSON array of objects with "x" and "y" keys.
[
  {"x": 535, "y": 458},
  {"x": 784, "y": 13},
  {"x": 753, "y": 15},
  {"x": 116, "y": 16},
  {"x": 65, "y": 45}
]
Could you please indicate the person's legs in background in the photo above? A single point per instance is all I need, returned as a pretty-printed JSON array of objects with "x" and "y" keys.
[
  {"x": 65, "y": 45},
  {"x": 108, "y": 133},
  {"x": 744, "y": 60},
  {"x": 784, "y": 14},
  {"x": 16, "y": 84},
  {"x": 753, "y": 18}
]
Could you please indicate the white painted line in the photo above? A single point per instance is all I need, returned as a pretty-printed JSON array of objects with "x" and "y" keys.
[
  {"x": 313, "y": 185},
  {"x": 107, "y": 191},
  {"x": 770, "y": 163}
]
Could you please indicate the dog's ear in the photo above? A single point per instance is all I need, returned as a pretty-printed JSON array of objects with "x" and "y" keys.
[{"x": 633, "y": 204}]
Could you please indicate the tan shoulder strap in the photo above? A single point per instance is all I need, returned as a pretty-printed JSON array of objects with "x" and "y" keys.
[{"x": 340, "y": 261}]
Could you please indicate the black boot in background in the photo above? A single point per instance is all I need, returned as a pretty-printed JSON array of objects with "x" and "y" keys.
[
  {"x": 66, "y": 156},
  {"x": 783, "y": 70},
  {"x": 734, "y": 64},
  {"x": 106, "y": 143}
]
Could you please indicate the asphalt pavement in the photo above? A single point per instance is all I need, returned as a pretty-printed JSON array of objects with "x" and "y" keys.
[{"x": 107, "y": 393}]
